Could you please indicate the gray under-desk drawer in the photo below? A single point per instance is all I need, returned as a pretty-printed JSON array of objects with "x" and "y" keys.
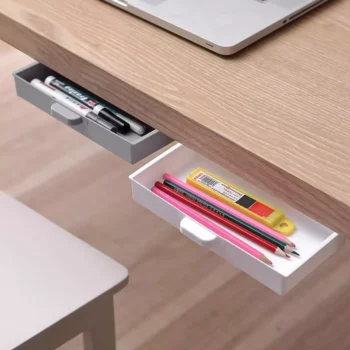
[{"x": 131, "y": 147}]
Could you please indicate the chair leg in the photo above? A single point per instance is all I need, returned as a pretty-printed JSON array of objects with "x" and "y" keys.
[{"x": 101, "y": 332}]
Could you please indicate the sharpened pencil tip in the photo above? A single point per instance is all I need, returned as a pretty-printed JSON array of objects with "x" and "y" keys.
[
  {"x": 295, "y": 253},
  {"x": 265, "y": 260},
  {"x": 289, "y": 242}
]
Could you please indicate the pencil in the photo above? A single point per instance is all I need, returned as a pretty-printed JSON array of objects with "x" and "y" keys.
[
  {"x": 225, "y": 208},
  {"x": 221, "y": 220},
  {"x": 283, "y": 246},
  {"x": 212, "y": 226}
]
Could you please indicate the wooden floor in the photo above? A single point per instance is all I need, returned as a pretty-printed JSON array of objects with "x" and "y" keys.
[{"x": 180, "y": 297}]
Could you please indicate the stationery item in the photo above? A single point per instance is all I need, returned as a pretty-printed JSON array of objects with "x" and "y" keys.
[
  {"x": 122, "y": 120},
  {"x": 122, "y": 126},
  {"x": 218, "y": 206},
  {"x": 284, "y": 246},
  {"x": 212, "y": 226},
  {"x": 71, "y": 104},
  {"x": 221, "y": 220},
  {"x": 240, "y": 200}
]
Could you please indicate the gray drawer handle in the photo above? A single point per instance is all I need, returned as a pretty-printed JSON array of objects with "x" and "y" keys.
[{"x": 65, "y": 115}]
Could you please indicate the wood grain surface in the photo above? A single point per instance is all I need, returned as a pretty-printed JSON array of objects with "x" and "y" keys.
[
  {"x": 180, "y": 296},
  {"x": 276, "y": 114}
]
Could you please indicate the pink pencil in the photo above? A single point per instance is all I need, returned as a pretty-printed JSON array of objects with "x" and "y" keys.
[
  {"x": 228, "y": 209},
  {"x": 212, "y": 226}
]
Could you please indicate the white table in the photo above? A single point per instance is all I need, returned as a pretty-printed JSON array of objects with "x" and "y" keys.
[{"x": 53, "y": 285}]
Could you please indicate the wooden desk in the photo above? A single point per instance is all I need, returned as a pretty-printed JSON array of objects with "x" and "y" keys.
[{"x": 276, "y": 114}]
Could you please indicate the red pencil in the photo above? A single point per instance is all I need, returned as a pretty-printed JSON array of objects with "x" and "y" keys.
[{"x": 221, "y": 220}]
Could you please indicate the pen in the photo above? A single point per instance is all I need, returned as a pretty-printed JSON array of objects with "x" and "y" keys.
[
  {"x": 71, "y": 104},
  {"x": 120, "y": 120}
]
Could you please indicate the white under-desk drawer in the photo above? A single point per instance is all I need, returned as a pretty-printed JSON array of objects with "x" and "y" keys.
[
  {"x": 131, "y": 147},
  {"x": 315, "y": 242}
]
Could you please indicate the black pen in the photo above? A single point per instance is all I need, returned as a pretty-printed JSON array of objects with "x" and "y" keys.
[
  {"x": 72, "y": 104},
  {"x": 122, "y": 126}
]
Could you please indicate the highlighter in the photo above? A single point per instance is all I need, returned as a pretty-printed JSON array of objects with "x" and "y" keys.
[{"x": 240, "y": 200}]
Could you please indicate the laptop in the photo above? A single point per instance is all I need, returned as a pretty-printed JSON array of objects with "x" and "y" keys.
[{"x": 222, "y": 26}]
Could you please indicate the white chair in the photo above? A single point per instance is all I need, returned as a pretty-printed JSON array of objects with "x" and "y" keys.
[{"x": 53, "y": 286}]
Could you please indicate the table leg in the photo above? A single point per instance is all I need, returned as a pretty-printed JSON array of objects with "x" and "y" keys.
[{"x": 101, "y": 332}]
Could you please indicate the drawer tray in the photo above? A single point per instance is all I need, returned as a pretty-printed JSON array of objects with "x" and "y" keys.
[
  {"x": 131, "y": 147},
  {"x": 316, "y": 243}
]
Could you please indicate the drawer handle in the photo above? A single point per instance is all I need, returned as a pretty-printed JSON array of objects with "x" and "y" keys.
[
  {"x": 65, "y": 115},
  {"x": 196, "y": 232},
  {"x": 120, "y": 3}
]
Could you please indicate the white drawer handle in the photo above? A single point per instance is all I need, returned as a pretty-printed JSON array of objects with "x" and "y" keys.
[{"x": 196, "y": 232}]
